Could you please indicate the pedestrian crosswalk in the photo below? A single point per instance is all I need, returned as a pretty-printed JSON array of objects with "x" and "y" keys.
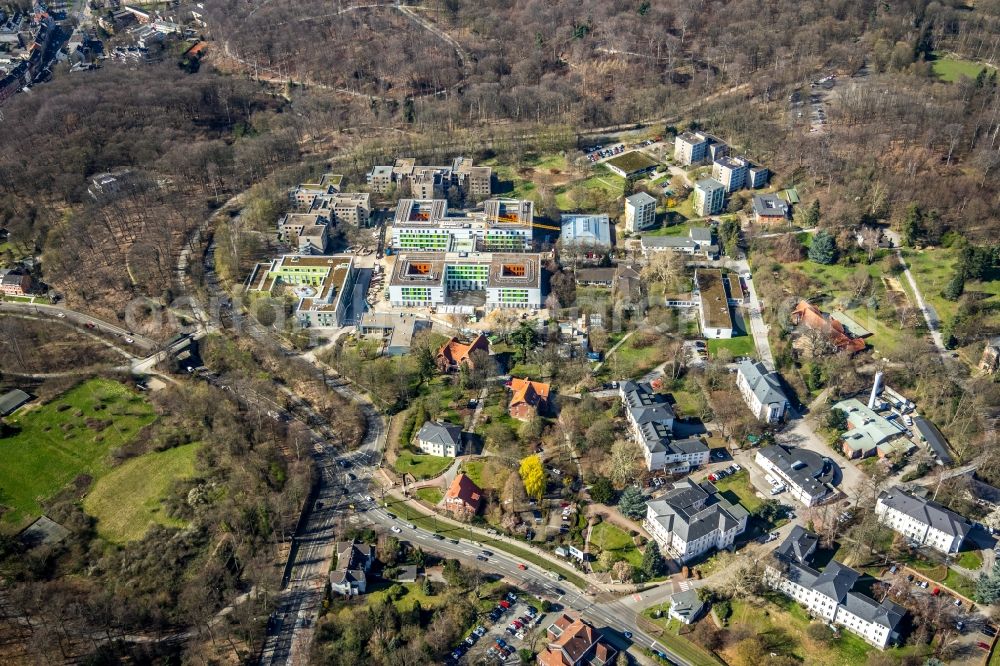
[{"x": 684, "y": 585}]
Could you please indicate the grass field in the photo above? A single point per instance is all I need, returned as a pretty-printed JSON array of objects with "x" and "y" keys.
[
  {"x": 951, "y": 68},
  {"x": 932, "y": 268},
  {"x": 408, "y": 513},
  {"x": 64, "y": 438},
  {"x": 610, "y": 537},
  {"x": 430, "y": 495},
  {"x": 738, "y": 487},
  {"x": 632, "y": 161},
  {"x": 421, "y": 466},
  {"x": 378, "y": 591},
  {"x": 631, "y": 361},
  {"x": 970, "y": 559},
  {"x": 128, "y": 499},
  {"x": 739, "y": 346},
  {"x": 689, "y": 650}
]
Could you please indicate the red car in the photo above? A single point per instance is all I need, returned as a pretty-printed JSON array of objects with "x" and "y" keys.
[
  {"x": 522, "y": 567},
  {"x": 936, "y": 591},
  {"x": 712, "y": 478},
  {"x": 505, "y": 604},
  {"x": 983, "y": 645}
]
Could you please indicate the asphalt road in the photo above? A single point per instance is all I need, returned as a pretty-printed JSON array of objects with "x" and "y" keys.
[{"x": 80, "y": 319}]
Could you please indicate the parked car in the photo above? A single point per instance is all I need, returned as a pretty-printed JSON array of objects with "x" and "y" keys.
[{"x": 396, "y": 529}]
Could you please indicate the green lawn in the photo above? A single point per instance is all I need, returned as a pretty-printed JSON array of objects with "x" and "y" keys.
[
  {"x": 738, "y": 346},
  {"x": 688, "y": 650},
  {"x": 610, "y": 537},
  {"x": 632, "y": 161},
  {"x": 933, "y": 268},
  {"x": 959, "y": 583},
  {"x": 740, "y": 488},
  {"x": 407, "y": 512},
  {"x": 474, "y": 470},
  {"x": 430, "y": 495},
  {"x": 378, "y": 591},
  {"x": 421, "y": 466},
  {"x": 64, "y": 438},
  {"x": 970, "y": 559},
  {"x": 631, "y": 361},
  {"x": 951, "y": 68},
  {"x": 129, "y": 499},
  {"x": 782, "y": 616}
]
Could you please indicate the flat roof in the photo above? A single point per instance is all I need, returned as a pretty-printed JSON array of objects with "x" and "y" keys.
[
  {"x": 714, "y": 303},
  {"x": 419, "y": 269},
  {"x": 428, "y": 212},
  {"x": 632, "y": 161},
  {"x": 513, "y": 212}
]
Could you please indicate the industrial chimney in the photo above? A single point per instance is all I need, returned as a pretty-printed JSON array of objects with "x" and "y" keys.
[{"x": 876, "y": 389}]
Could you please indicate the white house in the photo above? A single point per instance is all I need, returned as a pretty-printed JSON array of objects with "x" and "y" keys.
[
  {"x": 640, "y": 212},
  {"x": 685, "y": 607},
  {"x": 926, "y": 522},
  {"x": 440, "y": 439},
  {"x": 829, "y": 594},
  {"x": 692, "y": 519},
  {"x": 353, "y": 562},
  {"x": 807, "y": 475},
  {"x": 761, "y": 390}
]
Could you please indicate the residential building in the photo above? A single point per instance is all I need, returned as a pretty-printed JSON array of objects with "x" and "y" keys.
[
  {"x": 934, "y": 439},
  {"x": 354, "y": 560},
  {"x": 303, "y": 195},
  {"x": 808, "y": 476},
  {"x": 692, "y": 519},
  {"x": 923, "y": 521},
  {"x": 810, "y": 316},
  {"x": 731, "y": 172},
  {"x": 651, "y": 422},
  {"x": 308, "y": 233},
  {"x": 527, "y": 398},
  {"x": 990, "y": 361},
  {"x": 431, "y": 182},
  {"x": 632, "y": 164},
  {"x": 644, "y": 406},
  {"x": 713, "y": 303},
  {"x": 628, "y": 284},
  {"x": 429, "y": 279},
  {"x": 596, "y": 277},
  {"x": 352, "y": 208},
  {"x": 424, "y": 224},
  {"x": 761, "y": 390},
  {"x": 575, "y": 642},
  {"x": 696, "y": 147},
  {"x": 640, "y": 212},
  {"x": 698, "y": 241},
  {"x": 15, "y": 283},
  {"x": 324, "y": 286},
  {"x": 770, "y": 209},
  {"x": 586, "y": 230},
  {"x": 757, "y": 176},
  {"x": 440, "y": 439},
  {"x": 464, "y": 497},
  {"x": 869, "y": 433},
  {"x": 685, "y": 607},
  {"x": 830, "y": 594},
  {"x": 709, "y": 197},
  {"x": 454, "y": 354}
]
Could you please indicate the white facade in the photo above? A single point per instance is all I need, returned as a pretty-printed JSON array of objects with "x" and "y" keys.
[
  {"x": 761, "y": 392},
  {"x": 709, "y": 197},
  {"x": 640, "y": 212},
  {"x": 944, "y": 540},
  {"x": 442, "y": 449},
  {"x": 807, "y": 496},
  {"x": 676, "y": 546},
  {"x": 822, "y": 606}
]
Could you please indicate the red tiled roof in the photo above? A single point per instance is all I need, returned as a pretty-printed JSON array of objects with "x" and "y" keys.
[
  {"x": 528, "y": 392},
  {"x": 810, "y": 315},
  {"x": 456, "y": 353},
  {"x": 464, "y": 490}
]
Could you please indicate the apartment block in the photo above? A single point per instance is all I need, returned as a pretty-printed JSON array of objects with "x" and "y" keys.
[
  {"x": 709, "y": 197},
  {"x": 692, "y": 519},
  {"x": 429, "y": 279},
  {"x": 696, "y": 147},
  {"x": 308, "y": 233},
  {"x": 761, "y": 390},
  {"x": 432, "y": 182},
  {"x": 731, "y": 172},
  {"x": 830, "y": 594},
  {"x": 923, "y": 521},
  {"x": 808, "y": 476},
  {"x": 640, "y": 212},
  {"x": 651, "y": 423}
]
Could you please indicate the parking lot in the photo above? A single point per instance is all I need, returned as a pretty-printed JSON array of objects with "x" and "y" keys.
[{"x": 503, "y": 631}]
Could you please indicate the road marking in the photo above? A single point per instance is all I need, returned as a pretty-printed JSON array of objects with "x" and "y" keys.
[
  {"x": 637, "y": 597},
  {"x": 684, "y": 585}
]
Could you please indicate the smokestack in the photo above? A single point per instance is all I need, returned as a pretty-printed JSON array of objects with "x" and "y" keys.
[{"x": 876, "y": 389}]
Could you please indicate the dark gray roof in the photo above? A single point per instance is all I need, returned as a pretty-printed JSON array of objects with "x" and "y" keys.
[
  {"x": 836, "y": 581},
  {"x": 927, "y": 512},
  {"x": 798, "y": 546},
  {"x": 810, "y": 471},
  {"x": 341, "y": 576},
  {"x": 585, "y": 275},
  {"x": 769, "y": 205},
  {"x": 640, "y": 198},
  {"x": 644, "y": 404},
  {"x": 709, "y": 184},
  {"x": 692, "y": 511},
  {"x": 657, "y": 438},
  {"x": 934, "y": 439},
  {"x": 763, "y": 382},
  {"x": 11, "y": 400},
  {"x": 440, "y": 433}
]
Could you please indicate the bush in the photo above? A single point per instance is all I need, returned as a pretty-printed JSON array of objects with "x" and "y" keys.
[{"x": 723, "y": 609}]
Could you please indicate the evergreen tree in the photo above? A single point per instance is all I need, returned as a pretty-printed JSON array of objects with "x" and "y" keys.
[
  {"x": 601, "y": 491},
  {"x": 953, "y": 290},
  {"x": 823, "y": 249},
  {"x": 988, "y": 585},
  {"x": 811, "y": 218},
  {"x": 653, "y": 564},
  {"x": 912, "y": 225},
  {"x": 632, "y": 503}
]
